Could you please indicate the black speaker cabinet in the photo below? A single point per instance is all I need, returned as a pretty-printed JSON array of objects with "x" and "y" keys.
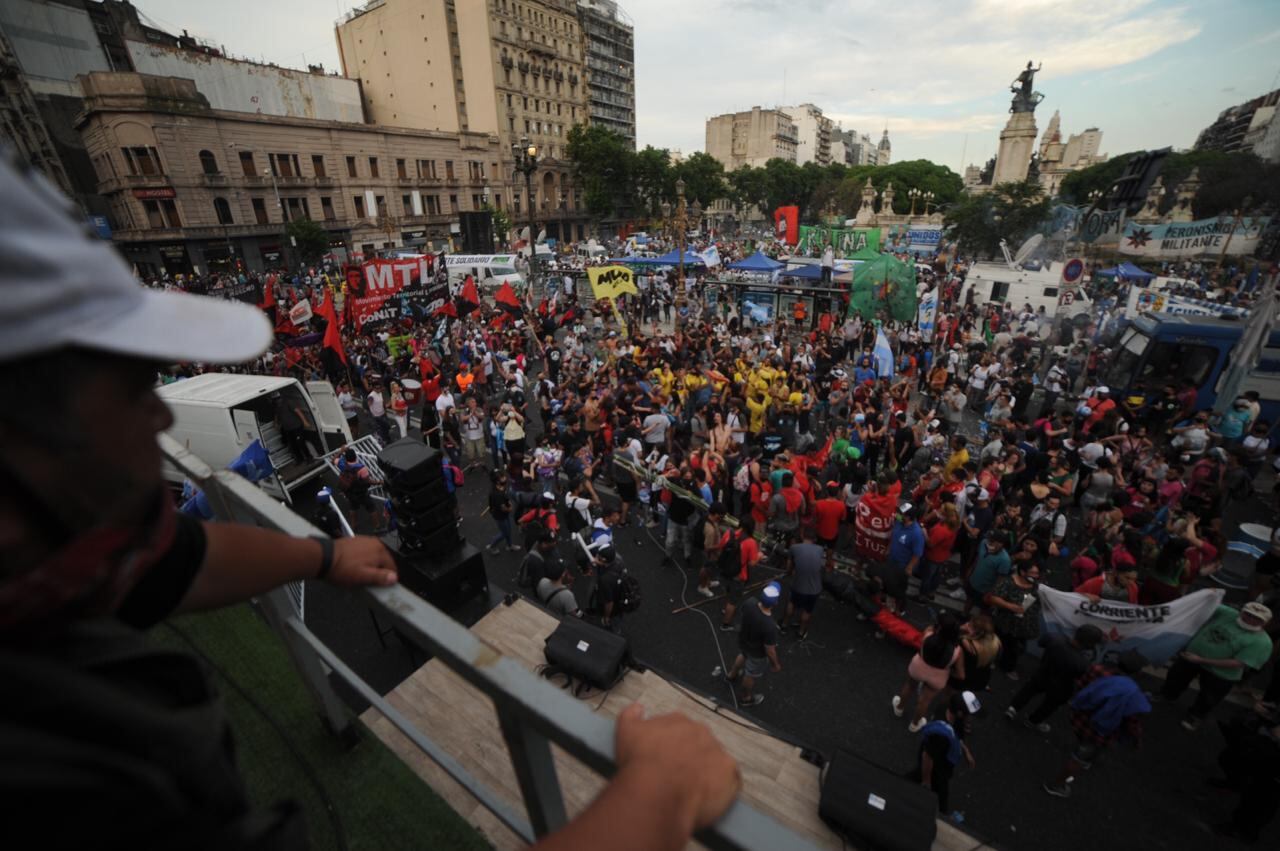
[
  {"x": 445, "y": 580},
  {"x": 876, "y": 808},
  {"x": 425, "y": 498},
  {"x": 477, "y": 232},
  {"x": 409, "y": 464},
  {"x": 435, "y": 542}
]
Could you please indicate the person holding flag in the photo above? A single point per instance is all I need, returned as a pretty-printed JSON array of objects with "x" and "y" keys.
[{"x": 883, "y": 354}]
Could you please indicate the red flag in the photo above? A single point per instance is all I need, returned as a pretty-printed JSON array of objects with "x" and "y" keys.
[
  {"x": 508, "y": 301},
  {"x": 499, "y": 320},
  {"x": 569, "y": 316},
  {"x": 332, "y": 328},
  {"x": 269, "y": 293},
  {"x": 446, "y": 309},
  {"x": 786, "y": 222},
  {"x": 468, "y": 297}
]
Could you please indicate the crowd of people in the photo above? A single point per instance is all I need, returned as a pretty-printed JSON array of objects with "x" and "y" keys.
[{"x": 742, "y": 444}]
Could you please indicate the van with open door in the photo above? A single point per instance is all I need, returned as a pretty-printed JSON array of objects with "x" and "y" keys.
[{"x": 216, "y": 416}]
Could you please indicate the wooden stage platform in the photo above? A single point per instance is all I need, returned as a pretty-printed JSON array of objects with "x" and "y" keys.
[{"x": 775, "y": 779}]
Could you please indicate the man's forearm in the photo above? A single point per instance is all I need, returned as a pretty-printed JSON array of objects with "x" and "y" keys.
[{"x": 243, "y": 561}]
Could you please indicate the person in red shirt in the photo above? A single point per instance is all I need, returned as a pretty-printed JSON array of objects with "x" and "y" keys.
[
  {"x": 830, "y": 513},
  {"x": 760, "y": 494},
  {"x": 941, "y": 529},
  {"x": 749, "y": 555},
  {"x": 1120, "y": 583},
  {"x": 1100, "y": 404}
]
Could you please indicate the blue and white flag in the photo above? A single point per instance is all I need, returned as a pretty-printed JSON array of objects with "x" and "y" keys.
[
  {"x": 711, "y": 257},
  {"x": 1157, "y": 631},
  {"x": 883, "y": 354}
]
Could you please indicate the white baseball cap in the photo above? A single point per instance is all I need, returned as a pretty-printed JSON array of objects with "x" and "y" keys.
[{"x": 61, "y": 286}]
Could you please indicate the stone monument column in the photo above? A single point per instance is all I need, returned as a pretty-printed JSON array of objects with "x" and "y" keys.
[{"x": 1018, "y": 138}]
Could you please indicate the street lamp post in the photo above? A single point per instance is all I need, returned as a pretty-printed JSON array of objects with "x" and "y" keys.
[
  {"x": 928, "y": 199},
  {"x": 284, "y": 223},
  {"x": 913, "y": 194},
  {"x": 525, "y": 155}
]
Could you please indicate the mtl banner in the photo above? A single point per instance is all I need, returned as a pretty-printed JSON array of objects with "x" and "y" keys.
[
  {"x": 1158, "y": 632},
  {"x": 1173, "y": 240},
  {"x": 872, "y": 526}
]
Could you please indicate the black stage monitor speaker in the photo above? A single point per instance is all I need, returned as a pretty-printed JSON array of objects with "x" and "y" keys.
[
  {"x": 446, "y": 580},
  {"x": 875, "y": 807},
  {"x": 591, "y": 654},
  {"x": 409, "y": 464}
]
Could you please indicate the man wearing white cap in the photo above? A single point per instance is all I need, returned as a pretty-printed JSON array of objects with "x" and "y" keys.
[
  {"x": 1100, "y": 404},
  {"x": 1218, "y": 654},
  {"x": 129, "y": 744},
  {"x": 758, "y": 645}
]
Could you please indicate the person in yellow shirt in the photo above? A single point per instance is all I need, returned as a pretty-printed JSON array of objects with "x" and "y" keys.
[
  {"x": 757, "y": 407},
  {"x": 666, "y": 378},
  {"x": 959, "y": 455}
]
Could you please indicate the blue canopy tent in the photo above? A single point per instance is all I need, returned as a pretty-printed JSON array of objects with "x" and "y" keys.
[
  {"x": 757, "y": 262},
  {"x": 637, "y": 261},
  {"x": 672, "y": 258},
  {"x": 813, "y": 272},
  {"x": 1128, "y": 271}
]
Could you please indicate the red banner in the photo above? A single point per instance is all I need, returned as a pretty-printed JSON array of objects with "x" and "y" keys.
[
  {"x": 381, "y": 279},
  {"x": 786, "y": 223},
  {"x": 873, "y": 524}
]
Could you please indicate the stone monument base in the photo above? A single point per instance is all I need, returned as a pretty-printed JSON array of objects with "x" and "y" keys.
[{"x": 1017, "y": 141}]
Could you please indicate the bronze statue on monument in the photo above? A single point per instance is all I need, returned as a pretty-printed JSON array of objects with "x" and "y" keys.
[{"x": 1024, "y": 98}]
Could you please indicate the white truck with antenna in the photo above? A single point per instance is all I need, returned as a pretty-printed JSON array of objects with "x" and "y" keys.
[{"x": 1012, "y": 282}]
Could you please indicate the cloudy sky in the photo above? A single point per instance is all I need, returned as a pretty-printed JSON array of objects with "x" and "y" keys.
[{"x": 1149, "y": 73}]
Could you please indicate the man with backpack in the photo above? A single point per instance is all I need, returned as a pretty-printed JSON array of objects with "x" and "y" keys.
[
  {"x": 738, "y": 553},
  {"x": 555, "y": 595},
  {"x": 356, "y": 483},
  {"x": 1048, "y": 525},
  {"x": 539, "y": 561},
  {"x": 540, "y": 520}
]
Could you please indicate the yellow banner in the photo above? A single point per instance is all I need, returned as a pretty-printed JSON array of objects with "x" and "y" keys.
[{"x": 611, "y": 281}]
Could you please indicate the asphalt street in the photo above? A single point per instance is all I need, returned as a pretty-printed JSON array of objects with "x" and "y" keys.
[{"x": 834, "y": 692}]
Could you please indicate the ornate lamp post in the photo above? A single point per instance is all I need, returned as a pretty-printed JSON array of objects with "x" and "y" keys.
[
  {"x": 525, "y": 156},
  {"x": 913, "y": 194},
  {"x": 680, "y": 222},
  {"x": 928, "y": 199}
]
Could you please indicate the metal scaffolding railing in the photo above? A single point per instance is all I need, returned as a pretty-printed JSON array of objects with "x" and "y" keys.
[{"x": 533, "y": 714}]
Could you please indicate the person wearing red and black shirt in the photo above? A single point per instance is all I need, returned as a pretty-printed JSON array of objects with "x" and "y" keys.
[{"x": 749, "y": 554}]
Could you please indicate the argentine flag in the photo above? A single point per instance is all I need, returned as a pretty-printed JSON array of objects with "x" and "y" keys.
[{"x": 883, "y": 355}]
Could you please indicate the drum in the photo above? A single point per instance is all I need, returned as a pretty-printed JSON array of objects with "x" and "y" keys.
[{"x": 412, "y": 390}]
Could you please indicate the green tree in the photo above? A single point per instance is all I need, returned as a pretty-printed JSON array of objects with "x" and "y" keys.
[
  {"x": 308, "y": 240},
  {"x": 604, "y": 163},
  {"x": 653, "y": 179},
  {"x": 1010, "y": 211},
  {"x": 1226, "y": 181},
  {"x": 748, "y": 189},
  {"x": 703, "y": 177},
  {"x": 785, "y": 184},
  {"x": 501, "y": 222}
]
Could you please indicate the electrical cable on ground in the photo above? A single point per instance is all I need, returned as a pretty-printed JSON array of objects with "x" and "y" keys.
[
  {"x": 711, "y": 624},
  {"x": 331, "y": 809}
]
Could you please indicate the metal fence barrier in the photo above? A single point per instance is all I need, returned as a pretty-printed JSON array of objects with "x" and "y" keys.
[{"x": 532, "y": 713}]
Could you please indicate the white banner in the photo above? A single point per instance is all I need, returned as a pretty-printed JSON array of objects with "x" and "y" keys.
[
  {"x": 1158, "y": 632},
  {"x": 1191, "y": 239},
  {"x": 1142, "y": 300},
  {"x": 928, "y": 315}
]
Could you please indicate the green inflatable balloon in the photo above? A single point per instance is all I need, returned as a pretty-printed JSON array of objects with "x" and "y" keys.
[{"x": 854, "y": 453}]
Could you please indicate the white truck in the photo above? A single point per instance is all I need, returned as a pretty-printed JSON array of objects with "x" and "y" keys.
[
  {"x": 218, "y": 415},
  {"x": 1011, "y": 282}
]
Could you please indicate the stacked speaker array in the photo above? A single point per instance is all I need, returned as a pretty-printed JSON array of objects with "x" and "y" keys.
[{"x": 435, "y": 562}]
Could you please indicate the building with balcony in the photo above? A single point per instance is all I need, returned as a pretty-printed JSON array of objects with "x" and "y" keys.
[
  {"x": 504, "y": 68},
  {"x": 192, "y": 188},
  {"x": 1250, "y": 126},
  {"x": 813, "y": 134},
  {"x": 609, "y": 43},
  {"x": 752, "y": 137}
]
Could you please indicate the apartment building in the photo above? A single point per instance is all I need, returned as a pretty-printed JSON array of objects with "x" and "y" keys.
[
  {"x": 193, "y": 188},
  {"x": 751, "y": 138}
]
